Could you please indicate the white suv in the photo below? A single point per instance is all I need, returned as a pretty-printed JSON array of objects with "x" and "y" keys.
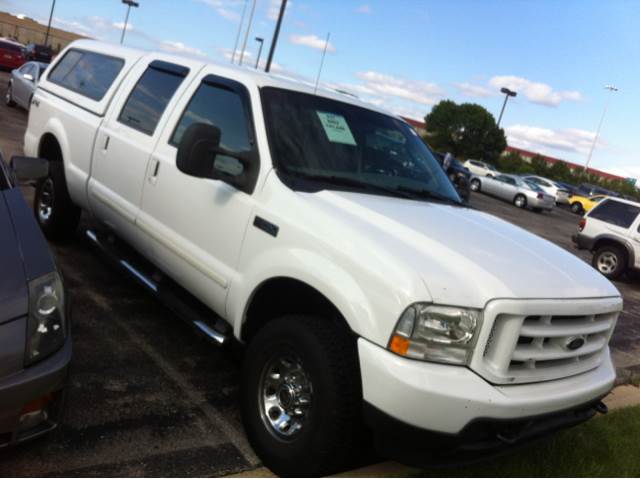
[
  {"x": 611, "y": 231},
  {"x": 480, "y": 168},
  {"x": 321, "y": 233}
]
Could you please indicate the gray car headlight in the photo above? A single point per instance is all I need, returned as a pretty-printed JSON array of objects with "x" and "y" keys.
[
  {"x": 47, "y": 324},
  {"x": 444, "y": 334}
]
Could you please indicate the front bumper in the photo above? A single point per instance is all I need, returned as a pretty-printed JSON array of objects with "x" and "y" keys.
[
  {"x": 582, "y": 241},
  {"x": 448, "y": 400},
  {"x": 45, "y": 379}
]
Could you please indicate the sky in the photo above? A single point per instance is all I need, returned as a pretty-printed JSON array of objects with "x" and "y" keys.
[{"x": 406, "y": 55}]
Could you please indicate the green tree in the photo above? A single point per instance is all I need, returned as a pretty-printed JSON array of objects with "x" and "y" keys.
[
  {"x": 467, "y": 131},
  {"x": 539, "y": 166},
  {"x": 560, "y": 171}
]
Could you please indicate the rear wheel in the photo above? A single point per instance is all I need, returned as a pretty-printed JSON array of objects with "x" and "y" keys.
[
  {"x": 475, "y": 185},
  {"x": 8, "y": 96},
  {"x": 576, "y": 208},
  {"x": 610, "y": 260},
  {"x": 56, "y": 214},
  {"x": 301, "y": 396},
  {"x": 520, "y": 201}
]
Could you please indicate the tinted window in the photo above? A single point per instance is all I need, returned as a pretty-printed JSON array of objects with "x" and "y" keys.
[
  {"x": 87, "y": 73},
  {"x": 219, "y": 107},
  {"x": 615, "y": 213},
  {"x": 150, "y": 96},
  {"x": 11, "y": 47}
]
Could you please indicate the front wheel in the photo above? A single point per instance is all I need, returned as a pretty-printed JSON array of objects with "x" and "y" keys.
[
  {"x": 520, "y": 201},
  {"x": 301, "y": 398},
  {"x": 475, "y": 185},
  {"x": 55, "y": 212},
  {"x": 8, "y": 96},
  {"x": 610, "y": 261},
  {"x": 576, "y": 208}
]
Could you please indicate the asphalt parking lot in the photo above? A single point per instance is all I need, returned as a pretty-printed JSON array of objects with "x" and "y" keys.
[{"x": 148, "y": 397}]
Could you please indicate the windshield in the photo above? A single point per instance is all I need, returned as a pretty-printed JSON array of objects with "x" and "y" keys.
[{"x": 344, "y": 146}]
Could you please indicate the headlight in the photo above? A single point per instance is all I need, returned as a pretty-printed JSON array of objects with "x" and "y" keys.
[
  {"x": 47, "y": 326},
  {"x": 444, "y": 334}
]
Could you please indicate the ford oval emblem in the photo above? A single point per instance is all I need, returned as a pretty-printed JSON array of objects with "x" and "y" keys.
[{"x": 574, "y": 342}]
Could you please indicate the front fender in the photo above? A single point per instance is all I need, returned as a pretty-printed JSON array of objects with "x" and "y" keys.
[{"x": 371, "y": 313}]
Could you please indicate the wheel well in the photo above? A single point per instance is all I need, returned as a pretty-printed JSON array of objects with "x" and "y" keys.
[
  {"x": 611, "y": 242},
  {"x": 50, "y": 148},
  {"x": 279, "y": 296}
]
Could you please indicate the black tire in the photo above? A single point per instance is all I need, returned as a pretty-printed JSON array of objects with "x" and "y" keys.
[
  {"x": 328, "y": 356},
  {"x": 55, "y": 212},
  {"x": 576, "y": 208},
  {"x": 520, "y": 201},
  {"x": 610, "y": 261},
  {"x": 8, "y": 97},
  {"x": 475, "y": 185}
]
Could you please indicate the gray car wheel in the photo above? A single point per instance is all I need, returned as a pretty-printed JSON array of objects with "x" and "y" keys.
[
  {"x": 520, "y": 201},
  {"x": 610, "y": 261},
  {"x": 8, "y": 96},
  {"x": 475, "y": 185}
]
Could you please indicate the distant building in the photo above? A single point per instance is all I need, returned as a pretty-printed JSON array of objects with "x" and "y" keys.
[
  {"x": 419, "y": 126},
  {"x": 27, "y": 30},
  {"x": 528, "y": 155}
]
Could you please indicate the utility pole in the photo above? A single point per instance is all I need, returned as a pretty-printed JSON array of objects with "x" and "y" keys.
[
  {"x": 611, "y": 89},
  {"x": 46, "y": 37},
  {"x": 129, "y": 4},
  {"x": 246, "y": 33},
  {"x": 507, "y": 94},
  {"x": 235, "y": 46},
  {"x": 324, "y": 52},
  {"x": 274, "y": 42},
  {"x": 261, "y": 41}
]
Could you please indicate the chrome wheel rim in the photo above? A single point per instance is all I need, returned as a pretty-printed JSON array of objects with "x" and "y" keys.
[
  {"x": 519, "y": 201},
  {"x": 607, "y": 263},
  {"x": 475, "y": 185},
  {"x": 285, "y": 396},
  {"x": 45, "y": 202},
  {"x": 7, "y": 95}
]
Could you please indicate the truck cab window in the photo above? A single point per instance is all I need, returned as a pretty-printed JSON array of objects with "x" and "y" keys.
[
  {"x": 150, "y": 96},
  {"x": 219, "y": 107}
]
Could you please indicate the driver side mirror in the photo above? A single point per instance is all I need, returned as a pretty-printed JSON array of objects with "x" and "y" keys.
[
  {"x": 200, "y": 155},
  {"x": 27, "y": 169}
]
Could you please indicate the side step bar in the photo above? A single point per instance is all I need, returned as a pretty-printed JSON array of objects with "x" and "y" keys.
[{"x": 181, "y": 302}]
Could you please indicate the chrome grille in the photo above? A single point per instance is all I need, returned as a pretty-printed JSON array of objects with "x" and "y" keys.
[{"x": 544, "y": 347}]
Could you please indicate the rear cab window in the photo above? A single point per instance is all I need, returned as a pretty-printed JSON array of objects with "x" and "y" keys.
[{"x": 615, "y": 213}]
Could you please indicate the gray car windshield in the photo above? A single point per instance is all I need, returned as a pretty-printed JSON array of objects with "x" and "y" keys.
[{"x": 335, "y": 145}]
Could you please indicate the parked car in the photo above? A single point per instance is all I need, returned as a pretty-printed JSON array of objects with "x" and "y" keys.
[
  {"x": 11, "y": 54},
  {"x": 35, "y": 347},
  {"x": 23, "y": 83},
  {"x": 581, "y": 204},
  {"x": 319, "y": 231},
  {"x": 480, "y": 168},
  {"x": 520, "y": 192},
  {"x": 550, "y": 187},
  {"x": 458, "y": 174},
  {"x": 611, "y": 231},
  {"x": 587, "y": 189},
  {"x": 38, "y": 53}
]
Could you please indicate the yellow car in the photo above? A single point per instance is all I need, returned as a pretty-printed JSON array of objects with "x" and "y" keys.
[{"x": 581, "y": 204}]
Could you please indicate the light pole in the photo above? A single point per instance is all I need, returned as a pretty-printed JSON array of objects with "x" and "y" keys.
[
  {"x": 235, "y": 47},
  {"x": 611, "y": 89},
  {"x": 274, "y": 42},
  {"x": 129, "y": 4},
  {"x": 46, "y": 37},
  {"x": 261, "y": 41},
  {"x": 246, "y": 34},
  {"x": 507, "y": 94}
]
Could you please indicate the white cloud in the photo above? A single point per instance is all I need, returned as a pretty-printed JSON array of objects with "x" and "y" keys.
[
  {"x": 181, "y": 48},
  {"x": 540, "y": 139},
  {"x": 120, "y": 26},
  {"x": 417, "y": 91},
  {"x": 225, "y": 8},
  {"x": 274, "y": 9},
  {"x": 469, "y": 89},
  {"x": 312, "y": 41},
  {"x": 535, "y": 92},
  {"x": 366, "y": 9}
]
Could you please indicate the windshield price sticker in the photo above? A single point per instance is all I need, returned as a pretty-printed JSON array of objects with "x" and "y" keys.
[{"x": 336, "y": 128}]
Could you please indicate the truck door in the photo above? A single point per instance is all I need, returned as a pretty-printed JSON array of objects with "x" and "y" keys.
[
  {"x": 197, "y": 224},
  {"x": 126, "y": 139}
]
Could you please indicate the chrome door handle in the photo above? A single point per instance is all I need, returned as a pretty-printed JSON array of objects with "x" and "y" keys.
[
  {"x": 106, "y": 142},
  {"x": 155, "y": 168}
]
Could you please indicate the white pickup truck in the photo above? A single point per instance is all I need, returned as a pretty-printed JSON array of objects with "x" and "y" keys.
[{"x": 320, "y": 232}]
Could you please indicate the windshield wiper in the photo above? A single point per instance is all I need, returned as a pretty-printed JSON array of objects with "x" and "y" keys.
[{"x": 431, "y": 195}]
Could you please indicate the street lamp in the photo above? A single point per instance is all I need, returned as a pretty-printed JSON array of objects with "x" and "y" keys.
[
  {"x": 507, "y": 94},
  {"x": 46, "y": 37},
  {"x": 611, "y": 89},
  {"x": 129, "y": 4},
  {"x": 261, "y": 41},
  {"x": 276, "y": 34}
]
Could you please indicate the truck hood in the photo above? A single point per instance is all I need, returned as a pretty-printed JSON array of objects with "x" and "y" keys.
[
  {"x": 13, "y": 289},
  {"x": 465, "y": 257}
]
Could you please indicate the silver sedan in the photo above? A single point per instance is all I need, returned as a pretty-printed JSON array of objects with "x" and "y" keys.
[
  {"x": 520, "y": 192},
  {"x": 23, "y": 83}
]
